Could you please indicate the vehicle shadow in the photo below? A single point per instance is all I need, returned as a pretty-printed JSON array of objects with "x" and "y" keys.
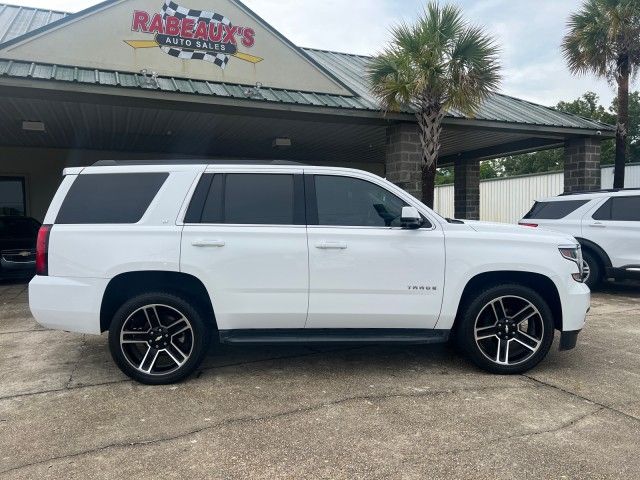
[
  {"x": 627, "y": 288},
  {"x": 393, "y": 359}
]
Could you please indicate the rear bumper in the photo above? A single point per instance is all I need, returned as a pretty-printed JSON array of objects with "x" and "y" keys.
[{"x": 70, "y": 304}]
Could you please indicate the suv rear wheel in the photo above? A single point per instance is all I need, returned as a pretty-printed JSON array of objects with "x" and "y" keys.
[
  {"x": 158, "y": 338},
  {"x": 506, "y": 329}
]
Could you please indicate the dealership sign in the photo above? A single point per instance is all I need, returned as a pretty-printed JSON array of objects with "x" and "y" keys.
[{"x": 193, "y": 34}]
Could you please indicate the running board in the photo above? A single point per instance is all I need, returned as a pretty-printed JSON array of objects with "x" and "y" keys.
[{"x": 279, "y": 336}]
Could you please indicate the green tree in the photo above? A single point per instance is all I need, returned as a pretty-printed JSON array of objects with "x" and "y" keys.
[
  {"x": 528, "y": 163},
  {"x": 444, "y": 176},
  {"x": 438, "y": 63},
  {"x": 604, "y": 39},
  {"x": 490, "y": 169}
]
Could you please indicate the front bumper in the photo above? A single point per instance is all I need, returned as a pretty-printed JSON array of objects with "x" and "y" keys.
[
  {"x": 576, "y": 301},
  {"x": 568, "y": 340}
]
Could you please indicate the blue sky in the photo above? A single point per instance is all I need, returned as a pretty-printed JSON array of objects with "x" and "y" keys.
[{"x": 528, "y": 31}]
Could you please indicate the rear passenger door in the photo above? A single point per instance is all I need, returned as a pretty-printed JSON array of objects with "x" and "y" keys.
[
  {"x": 615, "y": 227},
  {"x": 245, "y": 238}
]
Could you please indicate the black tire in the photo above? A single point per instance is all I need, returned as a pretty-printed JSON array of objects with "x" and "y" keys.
[
  {"x": 187, "y": 341},
  {"x": 595, "y": 269},
  {"x": 478, "y": 308}
]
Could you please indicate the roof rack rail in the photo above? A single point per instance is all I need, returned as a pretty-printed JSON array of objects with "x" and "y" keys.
[
  {"x": 190, "y": 161},
  {"x": 602, "y": 190}
]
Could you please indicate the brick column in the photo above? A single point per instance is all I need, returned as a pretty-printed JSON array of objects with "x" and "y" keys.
[
  {"x": 403, "y": 158},
  {"x": 582, "y": 165},
  {"x": 467, "y": 189}
]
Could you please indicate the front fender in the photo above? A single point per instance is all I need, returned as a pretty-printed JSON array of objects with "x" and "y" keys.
[{"x": 456, "y": 284}]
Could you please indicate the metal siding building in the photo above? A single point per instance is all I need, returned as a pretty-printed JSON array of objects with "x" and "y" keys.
[{"x": 77, "y": 88}]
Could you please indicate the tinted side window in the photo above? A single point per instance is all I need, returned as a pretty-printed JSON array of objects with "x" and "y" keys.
[
  {"x": 266, "y": 199},
  {"x": 110, "y": 197},
  {"x": 625, "y": 209},
  {"x": 12, "y": 199},
  {"x": 604, "y": 212},
  {"x": 206, "y": 202},
  {"x": 554, "y": 210},
  {"x": 249, "y": 199},
  {"x": 345, "y": 201}
]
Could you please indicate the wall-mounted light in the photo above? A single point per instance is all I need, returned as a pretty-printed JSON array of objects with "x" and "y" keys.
[
  {"x": 33, "y": 126},
  {"x": 281, "y": 142}
]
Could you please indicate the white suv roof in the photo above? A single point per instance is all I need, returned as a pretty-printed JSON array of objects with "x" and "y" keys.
[{"x": 622, "y": 192}]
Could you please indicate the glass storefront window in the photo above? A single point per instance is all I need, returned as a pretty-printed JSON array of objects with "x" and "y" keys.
[{"x": 12, "y": 198}]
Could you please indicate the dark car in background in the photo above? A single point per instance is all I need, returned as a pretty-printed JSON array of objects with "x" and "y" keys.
[{"x": 18, "y": 237}]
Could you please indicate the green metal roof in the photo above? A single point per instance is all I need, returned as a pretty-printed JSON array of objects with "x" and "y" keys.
[{"x": 17, "y": 22}]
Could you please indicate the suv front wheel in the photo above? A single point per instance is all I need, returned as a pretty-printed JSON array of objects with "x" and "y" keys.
[
  {"x": 506, "y": 329},
  {"x": 158, "y": 338},
  {"x": 592, "y": 272}
]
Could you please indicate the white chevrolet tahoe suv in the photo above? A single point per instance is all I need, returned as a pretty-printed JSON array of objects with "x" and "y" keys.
[
  {"x": 164, "y": 255},
  {"x": 605, "y": 222}
]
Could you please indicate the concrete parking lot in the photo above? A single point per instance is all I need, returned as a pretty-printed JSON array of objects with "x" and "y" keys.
[{"x": 348, "y": 412}]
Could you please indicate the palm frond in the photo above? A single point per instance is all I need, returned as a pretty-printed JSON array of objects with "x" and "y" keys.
[
  {"x": 391, "y": 81},
  {"x": 439, "y": 62},
  {"x": 475, "y": 70},
  {"x": 600, "y": 35}
]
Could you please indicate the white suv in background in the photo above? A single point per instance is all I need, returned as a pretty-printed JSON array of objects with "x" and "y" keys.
[
  {"x": 162, "y": 255},
  {"x": 605, "y": 222}
]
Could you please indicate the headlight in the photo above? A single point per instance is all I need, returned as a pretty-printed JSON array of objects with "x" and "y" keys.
[{"x": 574, "y": 254}]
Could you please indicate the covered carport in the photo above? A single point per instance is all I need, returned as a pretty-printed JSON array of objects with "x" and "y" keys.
[{"x": 56, "y": 115}]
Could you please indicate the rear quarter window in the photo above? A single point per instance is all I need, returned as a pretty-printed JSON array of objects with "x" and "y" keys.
[
  {"x": 554, "y": 210},
  {"x": 110, "y": 198}
]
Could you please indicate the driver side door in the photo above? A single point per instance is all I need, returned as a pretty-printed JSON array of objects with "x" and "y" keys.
[{"x": 365, "y": 270}]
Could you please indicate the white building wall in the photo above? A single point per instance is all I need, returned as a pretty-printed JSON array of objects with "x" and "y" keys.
[
  {"x": 443, "y": 200},
  {"x": 508, "y": 199},
  {"x": 631, "y": 176}
]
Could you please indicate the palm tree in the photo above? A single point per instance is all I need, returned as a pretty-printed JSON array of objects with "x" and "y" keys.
[
  {"x": 438, "y": 63},
  {"x": 604, "y": 39}
]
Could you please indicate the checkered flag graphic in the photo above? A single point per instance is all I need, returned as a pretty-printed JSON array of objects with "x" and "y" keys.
[{"x": 172, "y": 9}]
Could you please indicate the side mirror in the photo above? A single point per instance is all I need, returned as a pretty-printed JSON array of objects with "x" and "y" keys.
[{"x": 411, "y": 218}]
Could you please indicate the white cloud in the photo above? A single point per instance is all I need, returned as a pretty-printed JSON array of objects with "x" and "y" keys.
[
  {"x": 529, "y": 33},
  {"x": 356, "y": 26}
]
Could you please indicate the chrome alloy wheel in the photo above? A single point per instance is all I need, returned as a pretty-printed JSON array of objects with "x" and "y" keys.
[
  {"x": 156, "y": 339},
  {"x": 509, "y": 330},
  {"x": 586, "y": 271}
]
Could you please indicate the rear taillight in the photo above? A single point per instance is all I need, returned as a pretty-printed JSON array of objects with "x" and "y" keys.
[
  {"x": 534, "y": 225},
  {"x": 42, "y": 250}
]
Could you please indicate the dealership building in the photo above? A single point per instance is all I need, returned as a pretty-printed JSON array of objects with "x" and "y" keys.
[{"x": 156, "y": 79}]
